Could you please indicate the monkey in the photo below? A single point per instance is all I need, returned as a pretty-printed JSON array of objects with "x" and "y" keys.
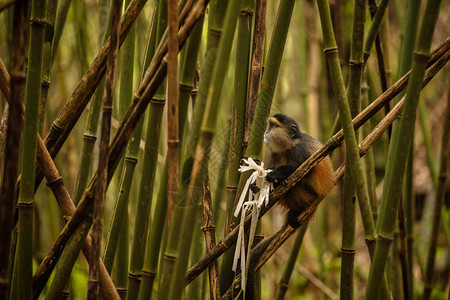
[{"x": 289, "y": 148}]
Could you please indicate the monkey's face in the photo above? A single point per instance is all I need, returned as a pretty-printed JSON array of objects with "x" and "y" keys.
[{"x": 278, "y": 136}]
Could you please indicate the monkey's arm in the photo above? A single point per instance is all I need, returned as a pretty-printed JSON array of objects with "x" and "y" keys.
[{"x": 279, "y": 175}]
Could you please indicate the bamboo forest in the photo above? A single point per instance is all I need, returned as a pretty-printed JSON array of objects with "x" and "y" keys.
[{"x": 225, "y": 149}]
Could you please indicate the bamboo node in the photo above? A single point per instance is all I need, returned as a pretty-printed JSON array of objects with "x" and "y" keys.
[
  {"x": 330, "y": 50},
  {"x": 246, "y": 12},
  {"x": 25, "y": 204},
  {"x": 215, "y": 32},
  {"x": 148, "y": 274},
  {"x": 208, "y": 228},
  {"x": 232, "y": 187},
  {"x": 421, "y": 57},
  {"x": 90, "y": 137},
  {"x": 158, "y": 101},
  {"x": 356, "y": 64},
  {"x": 135, "y": 276},
  {"x": 131, "y": 159},
  {"x": 107, "y": 108},
  {"x": 45, "y": 82},
  {"x": 55, "y": 182},
  {"x": 169, "y": 257},
  {"x": 185, "y": 87},
  {"x": 137, "y": 96},
  {"x": 348, "y": 251},
  {"x": 37, "y": 21},
  {"x": 57, "y": 128},
  {"x": 173, "y": 142}
]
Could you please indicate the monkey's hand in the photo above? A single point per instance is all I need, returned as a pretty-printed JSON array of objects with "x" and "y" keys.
[
  {"x": 254, "y": 188},
  {"x": 279, "y": 175}
]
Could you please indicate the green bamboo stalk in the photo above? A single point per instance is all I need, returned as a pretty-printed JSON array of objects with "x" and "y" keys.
[
  {"x": 201, "y": 157},
  {"x": 28, "y": 154},
  {"x": 374, "y": 27},
  {"x": 396, "y": 159},
  {"x": 81, "y": 34},
  {"x": 369, "y": 157},
  {"x": 348, "y": 236},
  {"x": 12, "y": 141},
  {"x": 131, "y": 155},
  {"x": 238, "y": 121},
  {"x": 143, "y": 216},
  {"x": 410, "y": 32},
  {"x": 438, "y": 204},
  {"x": 290, "y": 264},
  {"x": 90, "y": 132},
  {"x": 46, "y": 58},
  {"x": 356, "y": 65},
  {"x": 188, "y": 151},
  {"x": 101, "y": 183},
  {"x": 61, "y": 16},
  {"x": 153, "y": 240},
  {"x": 120, "y": 272},
  {"x": 195, "y": 290}
]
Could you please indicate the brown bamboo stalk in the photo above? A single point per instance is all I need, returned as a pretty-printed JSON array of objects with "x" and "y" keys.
[
  {"x": 101, "y": 183},
  {"x": 172, "y": 109},
  {"x": 209, "y": 230},
  {"x": 14, "y": 91},
  {"x": 256, "y": 66}
]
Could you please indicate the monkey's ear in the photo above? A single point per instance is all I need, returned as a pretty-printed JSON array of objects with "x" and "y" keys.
[{"x": 293, "y": 129}]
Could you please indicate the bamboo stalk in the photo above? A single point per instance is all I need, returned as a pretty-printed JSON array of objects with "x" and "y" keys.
[
  {"x": 14, "y": 90},
  {"x": 334, "y": 142},
  {"x": 28, "y": 155},
  {"x": 410, "y": 32},
  {"x": 290, "y": 263},
  {"x": 356, "y": 65},
  {"x": 172, "y": 109},
  {"x": 439, "y": 203},
  {"x": 396, "y": 159},
  {"x": 373, "y": 30},
  {"x": 201, "y": 157},
  {"x": 101, "y": 183},
  {"x": 126, "y": 175},
  {"x": 143, "y": 217},
  {"x": 61, "y": 16},
  {"x": 187, "y": 73},
  {"x": 241, "y": 116},
  {"x": 208, "y": 229},
  {"x": 46, "y": 58},
  {"x": 90, "y": 132}
]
